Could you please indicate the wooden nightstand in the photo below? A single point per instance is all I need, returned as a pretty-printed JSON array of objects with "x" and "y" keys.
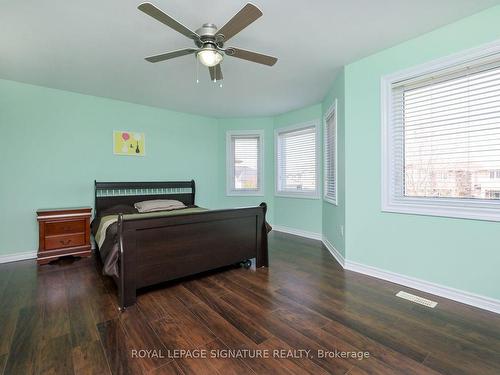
[{"x": 63, "y": 231}]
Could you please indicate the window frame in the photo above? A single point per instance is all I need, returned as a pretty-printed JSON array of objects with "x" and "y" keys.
[
  {"x": 466, "y": 208},
  {"x": 230, "y": 189},
  {"x": 332, "y": 109},
  {"x": 292, "y": 194}
]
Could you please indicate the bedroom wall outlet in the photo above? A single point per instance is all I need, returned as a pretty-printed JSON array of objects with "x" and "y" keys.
[{"x": 342, "y": 230}]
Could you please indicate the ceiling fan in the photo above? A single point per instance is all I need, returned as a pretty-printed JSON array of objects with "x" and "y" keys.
[{"x": 210, "y": 40}]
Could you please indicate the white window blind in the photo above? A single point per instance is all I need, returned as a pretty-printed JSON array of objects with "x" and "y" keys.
[
  {"x": 442, "y": 138},
  {"x": 330, "y": 140},
  {"x": 244, "y": 163},
  {"x": 450, "y": 129},
  {"x": 297, "y": 161}
]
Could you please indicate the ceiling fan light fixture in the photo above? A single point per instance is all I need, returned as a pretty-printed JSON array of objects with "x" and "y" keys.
[
  {"x": 210, "y": 40},
  {"x": 209, "y": 56}
]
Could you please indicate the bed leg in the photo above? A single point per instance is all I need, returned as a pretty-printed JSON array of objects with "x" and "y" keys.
[
  {"x": 262, "y": 261},
  {"x": 262, "y": 258},
  {"x": 127, "y": 298},
  {"x": 126, "y": 285}
]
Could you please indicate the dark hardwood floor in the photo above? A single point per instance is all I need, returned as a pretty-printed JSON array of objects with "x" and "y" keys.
[{"x": 62, "y": 318}]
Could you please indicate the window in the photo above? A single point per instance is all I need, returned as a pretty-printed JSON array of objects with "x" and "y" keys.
[
  {"x": 330, "y": 147},
  {"x": 297, "y": 161},
  {"x": 443, "y": 119},
  {"x": 244, "y": 151}
]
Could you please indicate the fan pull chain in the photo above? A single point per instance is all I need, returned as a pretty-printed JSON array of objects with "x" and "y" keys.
[
  {"x": 220, "y": 85},
  {"x": 197, "y": 68}
]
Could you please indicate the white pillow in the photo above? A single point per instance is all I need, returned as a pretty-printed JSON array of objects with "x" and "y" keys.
[{"x": 158, "y": 205}]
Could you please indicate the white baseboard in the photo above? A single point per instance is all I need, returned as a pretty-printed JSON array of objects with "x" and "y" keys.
[
  {"x": 468, "y": 298},
  {"x": 297, "y": 232},
  {"x": 462, "y": 296},
  {"x": 335, "y": 253},
  {"x": 472, "y": 299},
  {"x": 17, "y": 257}
]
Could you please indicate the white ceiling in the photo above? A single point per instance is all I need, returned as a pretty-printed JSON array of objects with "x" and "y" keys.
[{"x": 97, "y": 47}]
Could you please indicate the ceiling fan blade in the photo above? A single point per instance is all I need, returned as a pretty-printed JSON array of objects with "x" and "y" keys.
[
  {"x": 164, "y": 18},
  {"x": 251, "y": 56},
  {"x": 218, "y": 72},
  {"x": 248, "y": 14},
  {"x": 215, "y": 72},
  {"x": 170, "y": 55}
]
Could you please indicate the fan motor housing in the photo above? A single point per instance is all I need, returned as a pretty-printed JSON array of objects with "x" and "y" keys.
[{"x": 208, "y": 30}]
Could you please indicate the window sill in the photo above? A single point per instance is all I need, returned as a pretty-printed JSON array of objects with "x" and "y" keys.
[
  {"x": 296, "y": 195},
  {"x": 244, "y": 194},
  {"x": 331, "y": 201},
  {"x": 480, "y": 210}
]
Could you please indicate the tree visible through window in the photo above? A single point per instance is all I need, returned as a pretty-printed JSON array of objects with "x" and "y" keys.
[
  {"x": 441, "y": 137},
  {"x": 452, "y": 135}
]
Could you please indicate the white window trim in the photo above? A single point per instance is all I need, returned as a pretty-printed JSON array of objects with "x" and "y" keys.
[
  {"x": 328, "y": 113},
  {"x": 288, "y": 194},
  {"x": 444, "y": 207},
  {"x": 229, "y": 171}
]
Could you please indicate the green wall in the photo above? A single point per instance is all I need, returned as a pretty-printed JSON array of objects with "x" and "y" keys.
[
  {"x": 300, "y": 213},
  {"x": 55, "y": 143},
  {"x": 296, "y": 213},
  {"x": 334, "y": 216},
  {"x": 458, "y": 253},
  {"x": 263, "y": 123}
]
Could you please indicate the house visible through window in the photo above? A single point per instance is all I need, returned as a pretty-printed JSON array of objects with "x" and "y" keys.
[
  {"x": 296, "y": 161},
  {"x": 451, "y": 125},
  {"x": 244, "y": 161},
  {"x": 443, "y": 138}
]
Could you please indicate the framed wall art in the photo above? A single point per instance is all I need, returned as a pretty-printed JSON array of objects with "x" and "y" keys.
[{"x": 129, "y": 143}]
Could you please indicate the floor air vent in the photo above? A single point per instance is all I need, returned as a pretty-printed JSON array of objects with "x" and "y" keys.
[{"x": 416, "y": 299}]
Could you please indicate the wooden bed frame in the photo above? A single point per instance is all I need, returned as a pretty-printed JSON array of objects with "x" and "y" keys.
[{"x": 155, "y": 250}]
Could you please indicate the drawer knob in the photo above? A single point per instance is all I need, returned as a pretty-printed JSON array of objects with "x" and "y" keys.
[{"x": 65, "y": 242}]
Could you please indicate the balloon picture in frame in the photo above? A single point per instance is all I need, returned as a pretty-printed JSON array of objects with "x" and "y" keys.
[{"x": 129, "y": 143}]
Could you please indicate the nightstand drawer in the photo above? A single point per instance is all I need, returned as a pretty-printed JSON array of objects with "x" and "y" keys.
[
  {"x": 63, "y": 231},
  {"x": 59, "y": 242},
  {"x": 64, "y": 227}
]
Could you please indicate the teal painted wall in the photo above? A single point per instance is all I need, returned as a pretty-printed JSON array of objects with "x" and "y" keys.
[
  {"x": 458, "y": 253},
  {"x": 334, "y": 216},
  {"x": 55, "y": 143},
  {"x": 296, "y": 213},
  {"x": 300, "y": 213},
  {"x": 262, "y": 123}
]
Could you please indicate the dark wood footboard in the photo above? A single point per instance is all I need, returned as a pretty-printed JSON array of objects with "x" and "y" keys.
[{"x": 154, "y": 250}]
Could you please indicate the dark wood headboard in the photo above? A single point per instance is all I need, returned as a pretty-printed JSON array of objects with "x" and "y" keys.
[{"x": 109, "y": 194}]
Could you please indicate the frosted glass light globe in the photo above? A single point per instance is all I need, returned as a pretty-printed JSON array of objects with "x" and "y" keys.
[{"x": 209, "y": 57}]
